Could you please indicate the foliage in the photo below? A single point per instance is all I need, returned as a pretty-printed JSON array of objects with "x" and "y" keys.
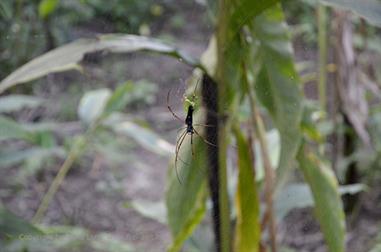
[
  {"x": 28, "y": 26},
  {"x": 250, "y": 63}
]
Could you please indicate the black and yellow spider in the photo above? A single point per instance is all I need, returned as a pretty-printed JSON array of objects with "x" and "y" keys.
[{"x": 188, "y": 129}]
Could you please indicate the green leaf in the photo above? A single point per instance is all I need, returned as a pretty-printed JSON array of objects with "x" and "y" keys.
[
  {"x": 147, "y": 138},
  {"x": 328, "y": 206},
  {"x": 298, "y": 195},
  {"x": 277, "y": 84},
  {"x": 12, "y": 157},
  {"x": 119, "y": 98},
  {"x": 186, "y": 199},
  {"x": 69, "y": 56},
  {"x": 47, "y": 7},
  {"x": 10, "y": 129},
  {"x": 368, "y": 9},
  {"x": 152, "y": 210},
  {"x": 13, "y": 226},
  {"x": 248, "y": 9},
  {"x": 93, "y": 104},
  {"x": 12, "y": 103},
  {"x": 247, "y": 234}
]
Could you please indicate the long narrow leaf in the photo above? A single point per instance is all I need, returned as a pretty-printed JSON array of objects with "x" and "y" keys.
[
  {"x": 247, "y": 236},
  {"x": 186, "y": 199},
  {"x": 277, "y": 84},
  {"x": 328, "y": 206},
  {"x": 69, "y": 56}
]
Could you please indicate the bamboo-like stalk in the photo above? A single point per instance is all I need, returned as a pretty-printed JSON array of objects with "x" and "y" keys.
[{"x": 224, "y": 208}]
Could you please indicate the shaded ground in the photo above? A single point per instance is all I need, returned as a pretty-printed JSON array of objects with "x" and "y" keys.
[{"x": 82, "y": 199}]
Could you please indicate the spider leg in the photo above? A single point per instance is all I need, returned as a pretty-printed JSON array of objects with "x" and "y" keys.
[
  {"x": 181, "y": 129},
  {"x": 170, "y": 109},
  {"x": 178, "y": 145},
  {"x": 206, "y": 141},
  {"x": 204, "y": 125}
]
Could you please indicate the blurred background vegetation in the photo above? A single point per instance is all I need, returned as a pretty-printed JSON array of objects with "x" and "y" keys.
[{"x": 87, "y": 143}]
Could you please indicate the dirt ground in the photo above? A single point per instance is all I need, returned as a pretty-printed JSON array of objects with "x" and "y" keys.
[{"x": 99, "y": 211}]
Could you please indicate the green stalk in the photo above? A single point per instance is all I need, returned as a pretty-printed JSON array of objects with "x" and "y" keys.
[
  {"x": 222, "y": 38},
  {"x": 322, "y": 43},
  {"x": 74, "y": 153}
]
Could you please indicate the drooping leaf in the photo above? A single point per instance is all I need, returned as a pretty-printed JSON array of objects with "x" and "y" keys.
[
  {"x": 12, "y": 103},
  {"x": 247, "y": 234},
  {"x": 299, "y": 195},
  {"x": 277, "y": 84},
  {"x": 328, "y": 206},
  {"x": 70, "y": 55},
  {"x": 92, "y": 105},
  {"x": 47, "y": 7},
  {"x": 186, "y": 199},
  {"x": 368, "y": 9}
]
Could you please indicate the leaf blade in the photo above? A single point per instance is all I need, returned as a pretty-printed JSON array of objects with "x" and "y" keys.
[
  {"x": 247, "y": 234},
  {"x": 277, "y": 84},
  {"x": 69, "y": 56},
  {"x": 328, "y": 205}
]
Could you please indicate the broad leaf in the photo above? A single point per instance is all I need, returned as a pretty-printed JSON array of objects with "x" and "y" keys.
[
  {"x": 328, "y": 206},
  {"x": 368, "y": 9},
  {"x": 248, "y": 9},
  {"x": 186, "y": 199},
  {"x": 277, "y": 84},
  {"x": 69, "y": 56},
  {"x": 247, "y": 234}
]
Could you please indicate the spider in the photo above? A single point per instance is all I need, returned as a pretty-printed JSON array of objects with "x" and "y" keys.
[{"x": 188, "y": 129}]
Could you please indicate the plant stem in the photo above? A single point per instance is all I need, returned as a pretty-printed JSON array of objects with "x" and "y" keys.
[
  {"x": 73, "y": 154},
  {"x": 322, "y": 42},
  {"x": 221, "y": 72}
]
